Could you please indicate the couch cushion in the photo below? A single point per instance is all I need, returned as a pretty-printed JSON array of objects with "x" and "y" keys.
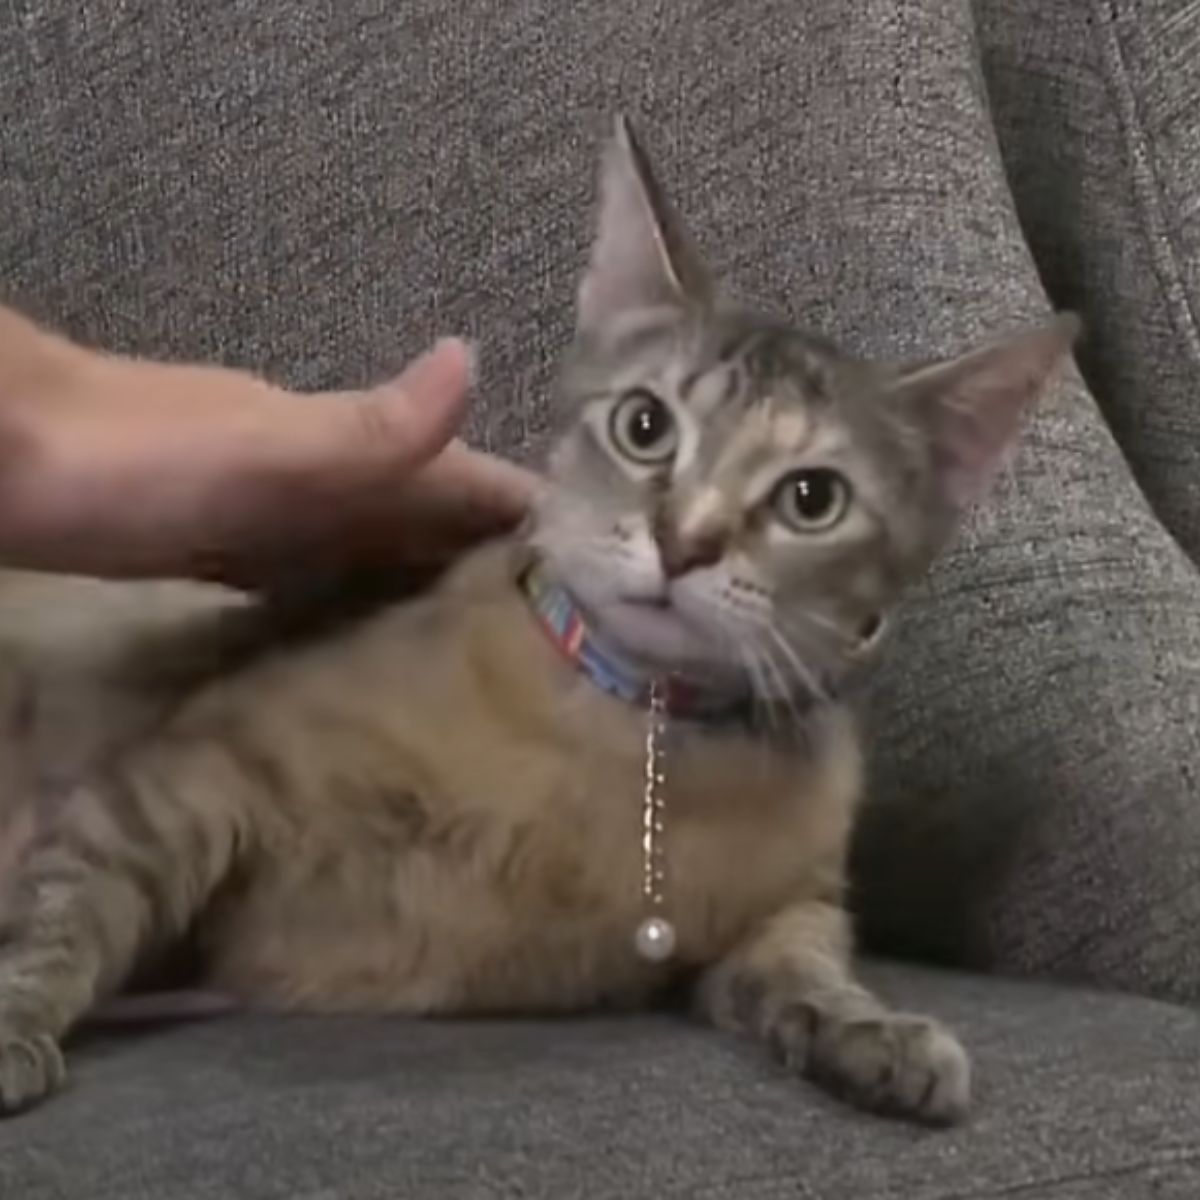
[
  {"x": 1097, "y": 107},
  {"x": 1080, "y": 1097}
]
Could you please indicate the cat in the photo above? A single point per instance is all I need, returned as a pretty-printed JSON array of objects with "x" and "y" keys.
[{"x": 440, "y": 806}]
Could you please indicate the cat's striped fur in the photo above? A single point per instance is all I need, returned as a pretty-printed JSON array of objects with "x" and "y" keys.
[
  {"x": 431, "y": 813},
  {"x": 427, "y": 810}
]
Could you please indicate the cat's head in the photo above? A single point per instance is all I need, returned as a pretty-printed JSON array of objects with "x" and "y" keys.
[{"x": 736, "y": 498}]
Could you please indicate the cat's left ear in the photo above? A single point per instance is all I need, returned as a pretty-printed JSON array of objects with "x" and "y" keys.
[
  {"x": 971, "y": 407},
  {"x": 641, "y": 256}
]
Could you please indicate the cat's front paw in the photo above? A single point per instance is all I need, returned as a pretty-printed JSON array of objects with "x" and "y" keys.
[
  {"x": 31, "y": 1068},
  {"x": 889, "y": 1063}
]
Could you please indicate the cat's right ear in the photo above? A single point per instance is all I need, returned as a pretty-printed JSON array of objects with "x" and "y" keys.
[
  {"x": 641, "y": 256},
  {"x": 970, "y": 407}
]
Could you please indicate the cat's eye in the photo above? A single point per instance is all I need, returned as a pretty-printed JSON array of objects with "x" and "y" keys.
[
  {"x": 811, "y": 501},
  {"x": 643, "y": 428}
]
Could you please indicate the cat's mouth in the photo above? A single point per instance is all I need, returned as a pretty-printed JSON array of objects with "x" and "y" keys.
[
  {"x": 661, "y": 601},
  {"x": 652, "y": 625}
]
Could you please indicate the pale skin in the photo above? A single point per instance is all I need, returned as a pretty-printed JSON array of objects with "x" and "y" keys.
[{"x": 123, "y": 467}]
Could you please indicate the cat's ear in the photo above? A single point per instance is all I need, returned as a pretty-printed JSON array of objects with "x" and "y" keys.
[
  {"x": 641, "y": 256},
  {"x": 971, "y": 407}
]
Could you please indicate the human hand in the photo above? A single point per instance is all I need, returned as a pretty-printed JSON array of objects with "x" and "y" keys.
[{"x": 121, "y": 467}]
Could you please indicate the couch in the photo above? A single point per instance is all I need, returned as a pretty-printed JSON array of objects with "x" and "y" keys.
[{"x": 316, "y": 188}]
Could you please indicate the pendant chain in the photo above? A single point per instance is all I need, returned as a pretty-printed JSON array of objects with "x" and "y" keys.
[
  {"x": 655, "y": 938},
  {"x": 654, "y": 875}
]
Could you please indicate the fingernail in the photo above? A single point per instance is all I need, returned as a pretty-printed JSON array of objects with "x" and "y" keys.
[
  {"x": 470, "y": 353},
  {"x": 428, "y": 360}
]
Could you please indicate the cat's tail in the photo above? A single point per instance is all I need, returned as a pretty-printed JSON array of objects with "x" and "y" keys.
[{"x": 137, "y": 1008}]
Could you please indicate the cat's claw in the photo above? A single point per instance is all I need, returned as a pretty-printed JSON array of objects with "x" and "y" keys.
[
  {"x": 31, "y": 1068},
  {"x": 895, "y": 1064}
]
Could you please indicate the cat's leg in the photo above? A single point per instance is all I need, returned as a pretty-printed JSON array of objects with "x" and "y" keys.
[
  {"x": 791, "y": 985},
  {"x": 124, "y": 870}
]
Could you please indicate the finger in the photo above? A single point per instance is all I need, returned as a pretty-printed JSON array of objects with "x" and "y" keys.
[
  {"x": 494, "y": 488},
  {"x": 383, "y": 432},
  {"x": 459, "y": 498}
]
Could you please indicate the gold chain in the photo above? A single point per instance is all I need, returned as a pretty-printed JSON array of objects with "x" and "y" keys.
[{"x": 655, "y": 938}]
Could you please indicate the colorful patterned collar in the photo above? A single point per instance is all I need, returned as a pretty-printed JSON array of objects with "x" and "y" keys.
[{"x": 564, "y": 624}]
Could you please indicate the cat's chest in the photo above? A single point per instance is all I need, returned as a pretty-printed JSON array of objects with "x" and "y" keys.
[
  {"x": 729, "y": 841},
  {"x": 519, "y": 880},
  {"x": 488, "y": 853}
]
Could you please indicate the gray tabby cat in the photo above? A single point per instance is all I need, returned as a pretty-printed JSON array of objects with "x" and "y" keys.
[{"x": 439, "y": 808}]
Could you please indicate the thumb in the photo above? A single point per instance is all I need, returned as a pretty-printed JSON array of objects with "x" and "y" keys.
[{"x": 391, "y": 429}]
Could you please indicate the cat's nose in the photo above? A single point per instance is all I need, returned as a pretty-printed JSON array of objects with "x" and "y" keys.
[{"x": 681, "y": 553}]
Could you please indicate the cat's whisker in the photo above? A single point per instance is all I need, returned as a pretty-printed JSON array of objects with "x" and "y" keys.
[
  {"x": 747, "y": 655},
  {"x": 785, "y": 692},
  {"x": 769, "y": 660},
  {"x": 744, "y": 653},
  {"x": 779, "y": 698},
  {"x": 804, "y": 675},
  {"x": 759, "y": 692},
  {"x": 743, "y": 635},
  {"x": 846, "y": 642}
]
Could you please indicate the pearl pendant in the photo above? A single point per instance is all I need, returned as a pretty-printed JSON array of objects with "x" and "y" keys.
[{"x": 655, "y": 939}]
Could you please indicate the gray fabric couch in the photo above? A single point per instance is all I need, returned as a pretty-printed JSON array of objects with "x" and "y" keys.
[{"x": 315, "y": 189}]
